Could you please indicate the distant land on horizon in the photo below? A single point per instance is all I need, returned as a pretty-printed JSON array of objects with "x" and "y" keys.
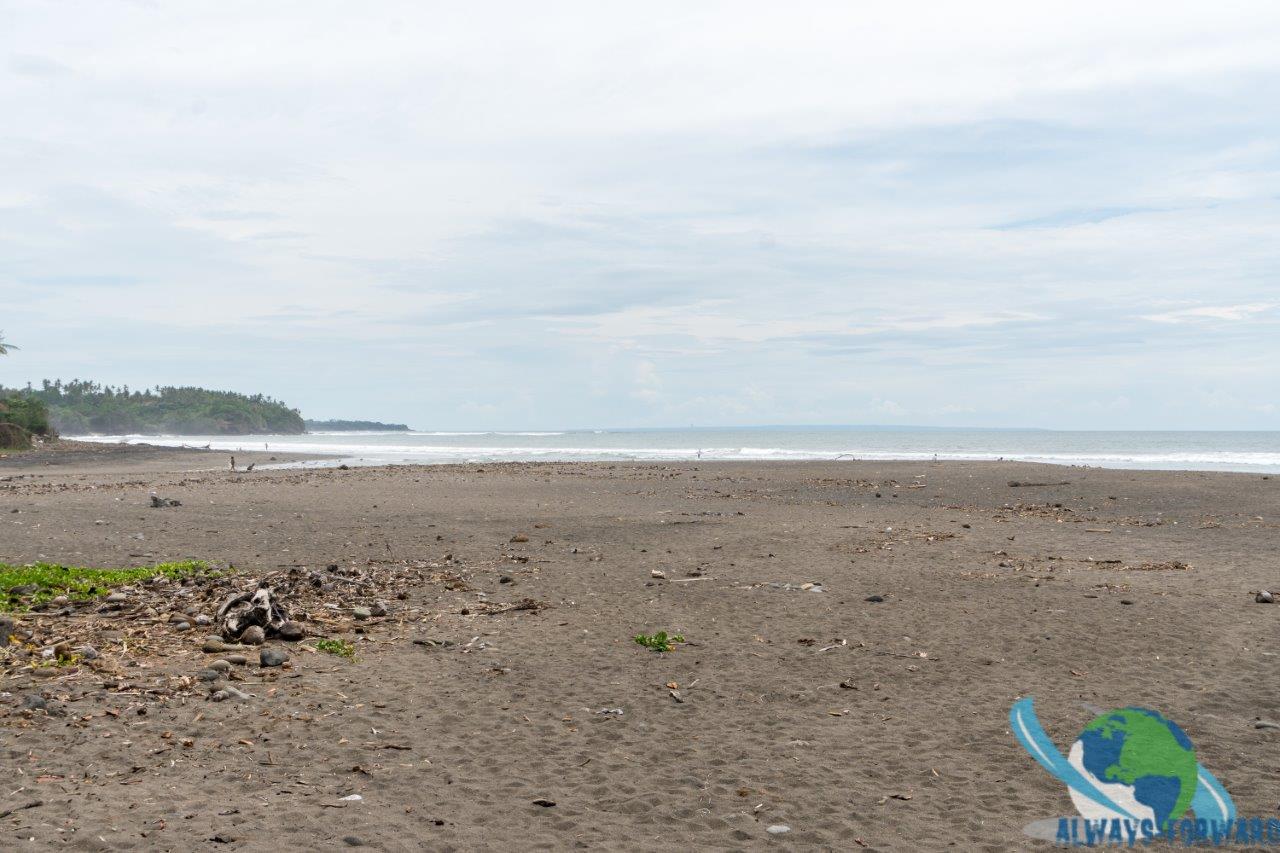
[{"x": 353, "y": 426}]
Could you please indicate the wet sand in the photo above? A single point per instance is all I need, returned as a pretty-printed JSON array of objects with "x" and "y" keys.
[{"x": 859, "y": 724}]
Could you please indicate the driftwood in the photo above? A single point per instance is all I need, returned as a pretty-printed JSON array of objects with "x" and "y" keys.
[{"x": 250, "y": 608}]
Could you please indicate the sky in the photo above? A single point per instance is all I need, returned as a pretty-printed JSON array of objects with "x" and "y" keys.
[{"x": 505, "y": 215}]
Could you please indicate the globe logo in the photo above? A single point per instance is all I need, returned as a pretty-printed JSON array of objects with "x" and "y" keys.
[{"x": 1132, "y": 772}]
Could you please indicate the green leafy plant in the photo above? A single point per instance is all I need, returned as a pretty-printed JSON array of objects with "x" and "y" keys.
[
  {"x": 341, "y": 648},
  {"x": 659, "y": 642},
  {"x": 23, "y": 586}
]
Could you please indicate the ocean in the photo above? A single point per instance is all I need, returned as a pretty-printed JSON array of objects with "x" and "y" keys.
[{"x": 1211, "y": 451}]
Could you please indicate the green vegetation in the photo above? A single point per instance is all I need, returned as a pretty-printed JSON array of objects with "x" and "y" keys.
[
  {"x": 353, "y": 427},
  {"x": 20, "y": 418},
  {"x": 341, "y": 648},
  {"x": 87, "y": 407},
  {"x": 4, "y": 346},
  {"x": 659, "y": 642},
  {"x": 23, "y": 586}
]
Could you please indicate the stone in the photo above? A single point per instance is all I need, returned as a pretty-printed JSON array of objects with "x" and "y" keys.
[
  {"x": 208, "y": 675},
  {"x": 213, "y": 645},
  {"x": 778, "y": 829},
  {"x": 361, "y": 613},
  {"x": 7, "y": 629},
  {"x": 292, "y": 631},
  {"x": 657, "y": 573},
  {"x": 874, "y": 599},
  {"x": 273, "y": 657},
  {"x": 59, "y": 601},
  {"x": 237, "y": 660},
  {"x": 352, "y": 841},
  {"x": 34, "y": 702},
  {"x": 253, "y": 636},
  {"x": 221, "y": 665},
  {"x": 204, "y": 619},
  {"x": 506, "y": 579},
  {"x": 117, "y": 598},
  {"x": 87, "y": 652},
  {"x": 378, "y": 609},
  {"x": 182, "y": 626},
  {"x": 1264, "y": 597}
]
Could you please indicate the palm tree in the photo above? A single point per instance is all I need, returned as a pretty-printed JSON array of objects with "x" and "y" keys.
[{"x": 4, "y": 348}]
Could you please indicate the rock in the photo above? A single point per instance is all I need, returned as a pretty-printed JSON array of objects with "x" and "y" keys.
[
  {"x": 874, "y": 599},
  {"x": 213, "y": 645},
  {"x": 506, "y": 579},
  {"x": 59, "y": 601},
  {"x": 519, "y": 538},
  {"x": 35, "y": 702},
  {"x": 1266, "y": 724},
  {"x": 87, "y": 652},
  {"x": 1264, "y": 597},
  {"x": 778, "y": 829},
  {"x": 204, "y": 620},
  {"x": 253, "y": 636},
  {"x": 7, "y": 629},
  {"x": 361, "y": 613},
  {"x": 378, "y": 609},
  {"x": 237, "y": 660},
  {"x": 228, "y": 692},
  {"x": 544, "y": 802},
  {"x": 352, "y": 841},
  {"x": 208, "y": 675},
  {"x": 116, "y": 598},
  {"x": 292, "y": 631},
  {"x": 657, "y": 573},
  {"x": 182, "y": 626},
  {"x": 221, "y": 665},
  {"x": 273, "y": 657}
]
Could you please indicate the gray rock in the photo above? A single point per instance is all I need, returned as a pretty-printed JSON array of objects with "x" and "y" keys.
[
  {"x": 378, "y": 609},
  {"x": 273, "y": 657},
  {"x": 292, "y": 631},
  {"x": 228, "y": 692},
  {"x": 87, "y": 652},
  {"x": 874, "y": 599},
  {"x": 253, "y": 636},
  {"x": 361, "y": 613},
  {"x": 208, "y": 675},
  {"x": 213, "y": 645},
  {"x": 221, "y": 665},
  {"x": 237, "y": 660},
  {"x": 352, "y": 841},
  {"x": 34, "y": 702},
  {"x": 203, "y": 619},
  {"x": 778, "y": 829},
  {"x": 1264, "y": 597},
  {"x": 117, "y": 598},
  {"x": 7, "y": 628},
  {"x": 182, "y": 626}
]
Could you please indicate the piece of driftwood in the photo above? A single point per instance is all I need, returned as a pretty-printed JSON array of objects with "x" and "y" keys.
[{"x": 250, "y": 608}]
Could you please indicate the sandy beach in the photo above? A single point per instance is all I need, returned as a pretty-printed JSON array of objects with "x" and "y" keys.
[{"x": 866, "y": 712}]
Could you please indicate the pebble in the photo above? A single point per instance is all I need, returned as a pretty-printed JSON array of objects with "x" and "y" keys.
[
  {"x": 203, "y": 619},
  {"x": 35, "y": 702},
  {"x": 221, "y": 665},
  {"x": 213, "y": 644},
  {"x": 182, "y": 626},
  {"x": 238, "y": 660},
  {"x": 7, "y": 628},
  {"x": 352, "y": 841},
  {"x": 87, "y": 652},
  {"x": 117, "y": 598},
  {"x": 874, "y": 599},
  {"x": 657, "y": 573},
  {"x": 361, "y": 613},
  {"x": 292, "y": 631},
  {"x": 253, "y": 636},
  {"x": 378, "y": 609},
  {"x": 59, "y": 601},
  {"x": 272, "y": 657},
  {"x": 1264, "y": 597},
  {"x": 208, "y": 675},
  {"x": 228, "y": 692},
  {"x": 778, "y": 829}
]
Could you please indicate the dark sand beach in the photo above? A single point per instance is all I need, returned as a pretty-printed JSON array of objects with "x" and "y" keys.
[{"x": 858, "y": 724}]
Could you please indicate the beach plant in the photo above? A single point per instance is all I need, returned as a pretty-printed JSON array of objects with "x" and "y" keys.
[
  {"x": 339, "y": 647},
  {"x": 35, "y": 583},
  {"x": 659, "y": 642},
  {"x": 5, "y": 346}
]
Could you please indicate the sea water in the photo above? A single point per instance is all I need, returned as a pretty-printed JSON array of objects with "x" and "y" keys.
[{"x": 1211, "y": 451}]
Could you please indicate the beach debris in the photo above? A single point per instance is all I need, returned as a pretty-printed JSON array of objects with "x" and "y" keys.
[
  {"x": 353, "y": 841},
  {"x": 351, "y": 798},
  {"x": 251, "y": 609},
  {"x": 1264, "y": 597},
  {"x": 874, "y": 599},
  {"x": 544, "y": 802},
  {"x": 519, "y": 538},
  {"x": 1265, "y": 724},
  {"x": 1014, "y": 484},
  {"x": 228, "y": 692},
  {"x": 158, "y": 502},
  {"x": 610, "y": 712},
  {"x": 778, "y": 829},
  {"x": 492, "y": 608},
  {"x": 658, "y": 573}
]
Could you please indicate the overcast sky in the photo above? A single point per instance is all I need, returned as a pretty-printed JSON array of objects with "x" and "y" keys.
[{"x": 536, "y": 215}]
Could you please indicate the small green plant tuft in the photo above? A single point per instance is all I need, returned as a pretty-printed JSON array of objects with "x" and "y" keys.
[
  {"x": 341, "y": 648},
  {"x": 659, "y": 642},
  {"x": 23, "y": 586}
]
